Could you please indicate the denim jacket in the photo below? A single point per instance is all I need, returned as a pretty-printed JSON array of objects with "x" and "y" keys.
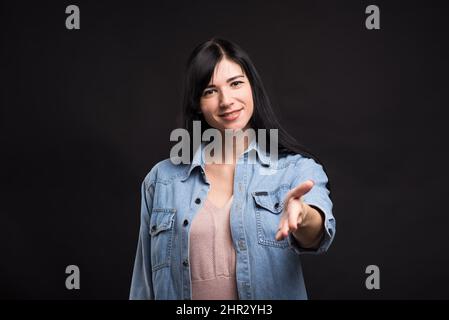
[{"x": 171, "y": 195}]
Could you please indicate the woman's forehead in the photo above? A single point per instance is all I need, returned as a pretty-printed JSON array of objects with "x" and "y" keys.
[{"x": 226, "y": 69}]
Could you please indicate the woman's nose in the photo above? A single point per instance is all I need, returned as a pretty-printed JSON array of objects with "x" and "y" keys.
[{"x": 225, "y": 99}]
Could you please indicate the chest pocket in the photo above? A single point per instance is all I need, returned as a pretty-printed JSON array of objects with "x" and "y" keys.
[
  {"x": 269, "y": 205},
  {"x": 162, "y": 232}
]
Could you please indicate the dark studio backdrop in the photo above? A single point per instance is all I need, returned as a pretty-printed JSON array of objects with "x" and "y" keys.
[{"x": 86, "y": 113}]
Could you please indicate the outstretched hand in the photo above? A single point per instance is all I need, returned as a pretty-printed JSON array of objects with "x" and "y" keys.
[{"x": 295, "y": 210}]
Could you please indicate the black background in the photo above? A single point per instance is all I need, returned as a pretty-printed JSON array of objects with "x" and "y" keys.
[{"x": 86, "y": 113}]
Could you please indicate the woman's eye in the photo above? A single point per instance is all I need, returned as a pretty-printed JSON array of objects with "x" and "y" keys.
[
  {"x": 236, "y": 83},
  {"x": 207, "y": 92}
]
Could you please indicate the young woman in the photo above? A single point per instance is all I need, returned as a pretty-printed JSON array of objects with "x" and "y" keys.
[{"x": 234, "y": 229}]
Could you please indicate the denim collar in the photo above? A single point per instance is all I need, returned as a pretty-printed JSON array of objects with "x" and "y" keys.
[{"x": 198, "y": 157}]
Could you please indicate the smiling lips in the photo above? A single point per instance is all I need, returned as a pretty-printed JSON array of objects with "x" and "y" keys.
[{"x": 232, "y": 115}]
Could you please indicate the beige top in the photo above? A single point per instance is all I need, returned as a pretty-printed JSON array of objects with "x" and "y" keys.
[{"x": 212, "y": 254}]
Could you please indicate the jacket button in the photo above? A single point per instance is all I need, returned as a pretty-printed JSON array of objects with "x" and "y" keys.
[
  {"x": 186, "y": 222},
  {"x": 276, "y": 205},
  {"x": 153, "y": 228},
  {"x": 185, "y": 263},
  {"x": 198, "y": 201},
  {"x": 242, "y": 245}
]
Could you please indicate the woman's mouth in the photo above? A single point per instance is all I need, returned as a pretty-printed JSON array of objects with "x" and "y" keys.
[{"x": 231, "y": 116}]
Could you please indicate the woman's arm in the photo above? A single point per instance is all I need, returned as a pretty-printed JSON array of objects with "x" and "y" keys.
[
  {"x": 141, "y": 283},
  {"x": 307, "y": 220}
]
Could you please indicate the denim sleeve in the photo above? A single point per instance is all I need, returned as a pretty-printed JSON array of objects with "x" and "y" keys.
[
  {"x": 142, "y": 283},
  {"x": 317, "y": 197}
]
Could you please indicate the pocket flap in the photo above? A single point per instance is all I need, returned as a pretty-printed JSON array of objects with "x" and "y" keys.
[
  {"x": 161, "y": 220},
  {"x": 271, "y": 200}
]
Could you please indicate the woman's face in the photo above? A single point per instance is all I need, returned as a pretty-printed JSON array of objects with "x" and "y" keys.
[{"x": 227, "y": 101}]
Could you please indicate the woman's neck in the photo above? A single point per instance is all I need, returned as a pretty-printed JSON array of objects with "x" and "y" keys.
[{"x": 232, "y": 147}]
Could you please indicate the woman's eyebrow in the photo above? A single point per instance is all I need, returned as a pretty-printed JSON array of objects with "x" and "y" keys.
[{"x": 229, "y": 80}]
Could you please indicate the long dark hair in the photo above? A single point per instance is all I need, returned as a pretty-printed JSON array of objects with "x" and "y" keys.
[{"x": 199, "y": 69}]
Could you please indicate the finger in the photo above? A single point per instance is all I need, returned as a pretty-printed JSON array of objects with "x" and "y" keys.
[
  {"x": 283, "y": 225},
  {"x": 303, "y": 212},
  {"x": 295, "y": 211},
  {"x": 282, "y": 230},
  {"x": 280, "y": 225},
  {"x": 301, "y": 189}
]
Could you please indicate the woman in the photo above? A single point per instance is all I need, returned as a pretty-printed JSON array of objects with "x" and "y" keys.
[{"x": 230, "y": 230}]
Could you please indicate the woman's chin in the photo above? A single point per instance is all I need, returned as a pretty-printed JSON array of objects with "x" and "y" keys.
[{"x": 235, "y": 126}]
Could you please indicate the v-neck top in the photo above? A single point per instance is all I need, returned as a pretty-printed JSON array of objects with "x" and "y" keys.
[{"x": 212, "y": 254}]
